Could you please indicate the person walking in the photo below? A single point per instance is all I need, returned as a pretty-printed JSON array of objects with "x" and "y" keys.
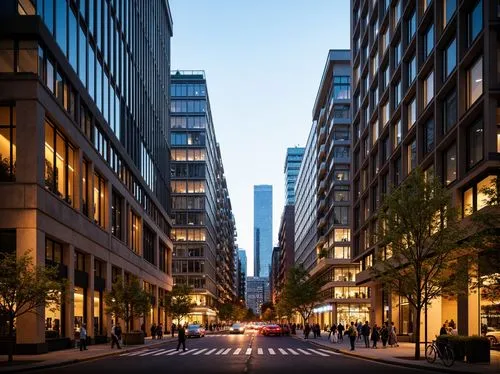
[
  {"x": 181, "y": 338},
  {"x": 375, "y": 336},
  {"x": 173, "y": 329},
  {"x": 153, "y": 331},
  {"x": 365, "y": 331},
  {"x": 384, "y": 334},
  {"x": 352, "y": 332},
  {"x": 115, "y": 336},
  {"x": 83, "y": 337}
]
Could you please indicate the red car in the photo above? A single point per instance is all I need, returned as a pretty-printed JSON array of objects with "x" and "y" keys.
[{"x": 268, "y": 330}]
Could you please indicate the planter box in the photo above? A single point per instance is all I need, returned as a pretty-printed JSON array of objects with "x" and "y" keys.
[{"x": 133, "y": 338}]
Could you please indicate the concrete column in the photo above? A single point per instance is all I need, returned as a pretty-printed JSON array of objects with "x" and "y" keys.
[
  {"x": 89, "y": 265},
  {"x": 31, "y": 327},
  {"x": 69, "y": 261}
]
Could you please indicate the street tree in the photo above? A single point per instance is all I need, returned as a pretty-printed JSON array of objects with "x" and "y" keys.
[
  {"x": 419, "y": 234},
  {"x": 127, "y": 301},
  {"x": 26, "y": 288},
  {"x": 178, "y": 302},
  {"x": 300, "y": 293}
]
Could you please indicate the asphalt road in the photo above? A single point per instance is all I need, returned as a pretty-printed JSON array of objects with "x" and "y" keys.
[{"x": 248, "y": 353}]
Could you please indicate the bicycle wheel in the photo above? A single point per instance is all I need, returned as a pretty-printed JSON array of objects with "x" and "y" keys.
[
  {"x": 430, "y": 354},
  {"x": 448, "y": 357}
]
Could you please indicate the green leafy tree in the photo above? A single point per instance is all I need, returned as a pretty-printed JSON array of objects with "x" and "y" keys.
[
  {"x": 178, "y": 302},
  {"x": 420, "y": 232},
  {"x": 25, "y": 288},
  {"x": 127, "y": 301},
  {"x": 300, "y": 293}
]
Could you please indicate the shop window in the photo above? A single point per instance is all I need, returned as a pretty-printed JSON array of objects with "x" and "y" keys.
[
  {"x": 59, "y": 164},
  {"x": 99, "y": 199},
  {"x": 7, "y": 143}
]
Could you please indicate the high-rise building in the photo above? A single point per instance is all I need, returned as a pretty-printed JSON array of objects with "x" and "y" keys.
[
  {"x": 425, "y": 86},
  {"x": 257, "y": 293},
  {"x": 83, "y": 141},
  {"x": 291, "y": 170},
  {"x": 204, "y": 228},
  {"x": 263, "y": 229}
]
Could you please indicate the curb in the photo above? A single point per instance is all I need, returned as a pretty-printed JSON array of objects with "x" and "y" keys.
[
  {"x": 80, "y": 360},
  {"x": 384, "y": 361}
]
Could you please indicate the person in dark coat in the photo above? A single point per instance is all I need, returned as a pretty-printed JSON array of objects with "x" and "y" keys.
[
  {"x": 375, "y": 336},
  {"x": 181, "y": 338}
]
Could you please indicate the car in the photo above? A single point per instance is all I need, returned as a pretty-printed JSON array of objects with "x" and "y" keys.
[
  {"x": 195, "y": 331},
  {"x": 237, "y": 328},
  {"x": 269, "y": 330},
  {"x": 493, "y": 335}
]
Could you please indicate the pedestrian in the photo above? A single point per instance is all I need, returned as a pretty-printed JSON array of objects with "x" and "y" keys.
[
  {"x": 393, "y": 340},
  {"x": 340, "y": 329},
  {"x": 352, "y": 332},
  {"x": 375, "y": 336},
  {"x": 384, "y": 334},
  {"x": 159, "y": 331},
  {"x": 365, "y": 331},
  {"x": 115, "y": 336},
  {"x": 173, "y": 329},
  {"x": 181, "y": 338},
  {"x": 153, "y": 330},
  {"x": 83, "y": 337}
]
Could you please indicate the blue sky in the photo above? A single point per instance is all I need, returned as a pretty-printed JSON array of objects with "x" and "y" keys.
[{"x": 263, "y": 61}]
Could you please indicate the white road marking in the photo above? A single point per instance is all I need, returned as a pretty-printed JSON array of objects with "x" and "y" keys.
[
  {"x": 200, "y": 351},
  {"x": 188, "y": 351},
  {"x": 260, "y": 351},
  {"x": 219, "y": 351},
  {"x": 318, "y": 352},
  {"x": 164, "y": 352},
  {"x": 249, "y": 351},
  {"x": 271, "y": 351},
  {"x": 226, "y": 351},
  {"x": 237, "y": 351},
  {"x": 304, "y": 352},
  {"x": 210, "y": 351},
  {"x": 282, "y": 351},
  {"x": 293, "y": 352}
]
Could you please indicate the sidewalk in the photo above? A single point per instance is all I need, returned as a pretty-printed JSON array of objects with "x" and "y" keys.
[
  {"x": 24, "y": 363},
  {"x": 402, "y": 355}
]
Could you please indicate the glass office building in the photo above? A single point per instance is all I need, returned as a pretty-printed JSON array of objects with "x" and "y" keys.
[
  {"x": 84, "y": 123},
  {"x": 204, "y": 228},
  {"x": 426, "y": 77},
  {"x": 263, "y": 229}
]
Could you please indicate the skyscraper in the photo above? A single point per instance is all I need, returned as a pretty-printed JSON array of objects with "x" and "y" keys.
[
  {"x": 291, "y": 170},
  {"x": 263, "y": 228},
  {"x": 204, "y": 228},
  {"x": 83, "y": 137}
]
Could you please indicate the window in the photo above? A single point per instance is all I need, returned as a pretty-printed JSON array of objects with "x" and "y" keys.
[
  {"x": 412, "y": 26},
  {"x": 59, "y": 163},
  {"x": 412, "y": 155},
  {"x": 428, "y": 88},
  {"x": 148, "y": 246},
  {"x": 341, "y": 87},
  {"x": 450, "y": 164},
  {"x": 134, "y": 227},
  {"x": 412, "y": 113},
  {"x": 7, "y": 143},
  {"x": 450, "y": 58},
  {"x": 449, "y": 7},
  {"x": 429, "y": 136},
  {"x": 99, "y": 201},
  {"x": 116, "y": 215},
  {"x": 428, "y": 41},
  {"x": 397, "y": 133},
  {"x": 412, "y": 70},
  {"x": 475, "y": 21},
  {"x": 474, "y": 82},
  {"x": 449, "y": 111},
  {"x": 474, "y": 144}
]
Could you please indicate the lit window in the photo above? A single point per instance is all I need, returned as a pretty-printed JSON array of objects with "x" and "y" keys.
[
  {"x": 475, "y": 82},
  {"x": 429, "y": 88}
]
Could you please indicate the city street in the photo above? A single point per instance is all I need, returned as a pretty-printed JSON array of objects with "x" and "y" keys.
[{"x": 249, "y": 353}]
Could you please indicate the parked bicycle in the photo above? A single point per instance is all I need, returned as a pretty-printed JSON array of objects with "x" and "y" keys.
[{"x": 441, "y": 350}]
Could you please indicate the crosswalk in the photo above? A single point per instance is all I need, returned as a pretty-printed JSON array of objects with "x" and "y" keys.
[{"x": 225, "y": 351}]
